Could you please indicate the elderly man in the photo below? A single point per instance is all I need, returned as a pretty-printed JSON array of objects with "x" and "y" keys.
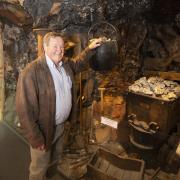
[{"x": 46, "y": 98}]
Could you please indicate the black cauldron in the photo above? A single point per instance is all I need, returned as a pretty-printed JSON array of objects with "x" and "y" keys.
[{"x": 105, "y": 56}]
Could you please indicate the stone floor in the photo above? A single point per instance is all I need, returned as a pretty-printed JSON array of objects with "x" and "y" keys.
[
  {"x": 14, "y": 155},
  {"x": 14, "y": 158}
]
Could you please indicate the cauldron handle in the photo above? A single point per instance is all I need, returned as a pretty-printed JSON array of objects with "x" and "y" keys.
[{"x": 114, "y": 30}]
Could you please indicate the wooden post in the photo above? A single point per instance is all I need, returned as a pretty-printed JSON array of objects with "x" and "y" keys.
[
  {"x": 2, "y": 95},
  {"x": 101, "y": 89},
  {"x": 80, "y": 105},
  {"x": 40, "y": 44},
  {"x": 40, "y": 34}
]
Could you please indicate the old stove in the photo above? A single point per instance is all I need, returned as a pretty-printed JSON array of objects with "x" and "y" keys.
[{"x": 151, "y": 119}]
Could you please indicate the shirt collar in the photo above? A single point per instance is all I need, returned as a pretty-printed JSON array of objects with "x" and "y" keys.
[{"x": 51, "y": 63}]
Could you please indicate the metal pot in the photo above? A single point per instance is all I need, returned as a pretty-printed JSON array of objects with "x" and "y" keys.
[{"x": 105, "y": 56}]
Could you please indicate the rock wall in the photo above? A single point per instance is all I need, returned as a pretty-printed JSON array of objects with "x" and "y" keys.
[{"x": 148, "y": 37}]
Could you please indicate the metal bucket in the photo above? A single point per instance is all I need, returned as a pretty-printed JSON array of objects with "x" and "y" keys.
[{"x": 105, "y": 56}]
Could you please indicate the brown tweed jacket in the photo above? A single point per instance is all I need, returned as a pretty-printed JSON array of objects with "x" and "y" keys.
[{"x": 35, "y": 98}]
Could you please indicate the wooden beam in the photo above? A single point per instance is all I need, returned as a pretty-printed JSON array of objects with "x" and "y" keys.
[
  {"x": 15, "y": 13},
  {"x": 170, "y": 75},
  {"x": 1, "y": 75}
]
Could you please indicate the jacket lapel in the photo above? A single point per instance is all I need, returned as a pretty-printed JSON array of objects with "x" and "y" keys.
[{"x": 50, "y": 84}]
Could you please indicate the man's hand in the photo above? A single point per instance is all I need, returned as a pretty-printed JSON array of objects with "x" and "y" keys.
[
  {"x": 94, "y": 43},
  {"x": 41, "y": 147}
]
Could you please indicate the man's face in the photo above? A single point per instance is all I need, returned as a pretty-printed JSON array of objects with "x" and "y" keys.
[{"x": 55, "y": 49}]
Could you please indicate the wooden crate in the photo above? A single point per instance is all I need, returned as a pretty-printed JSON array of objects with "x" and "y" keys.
[{"x": 105, "y": 165}]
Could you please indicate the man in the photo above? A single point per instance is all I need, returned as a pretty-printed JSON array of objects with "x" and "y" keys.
[{"x": 46, "y": 97}]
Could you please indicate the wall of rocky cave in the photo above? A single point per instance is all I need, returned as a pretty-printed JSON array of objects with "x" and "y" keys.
[{"x": 148, "y": 35}]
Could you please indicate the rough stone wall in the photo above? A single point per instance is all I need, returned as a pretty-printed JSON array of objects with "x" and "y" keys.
[
  {"x": 83, "y": 12},
  {"x": 19, "y": 49},
  {"x": 143, "y": 43},
  {"x": 160, "y": 49},
  {"x": 134, "y": 19}
]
